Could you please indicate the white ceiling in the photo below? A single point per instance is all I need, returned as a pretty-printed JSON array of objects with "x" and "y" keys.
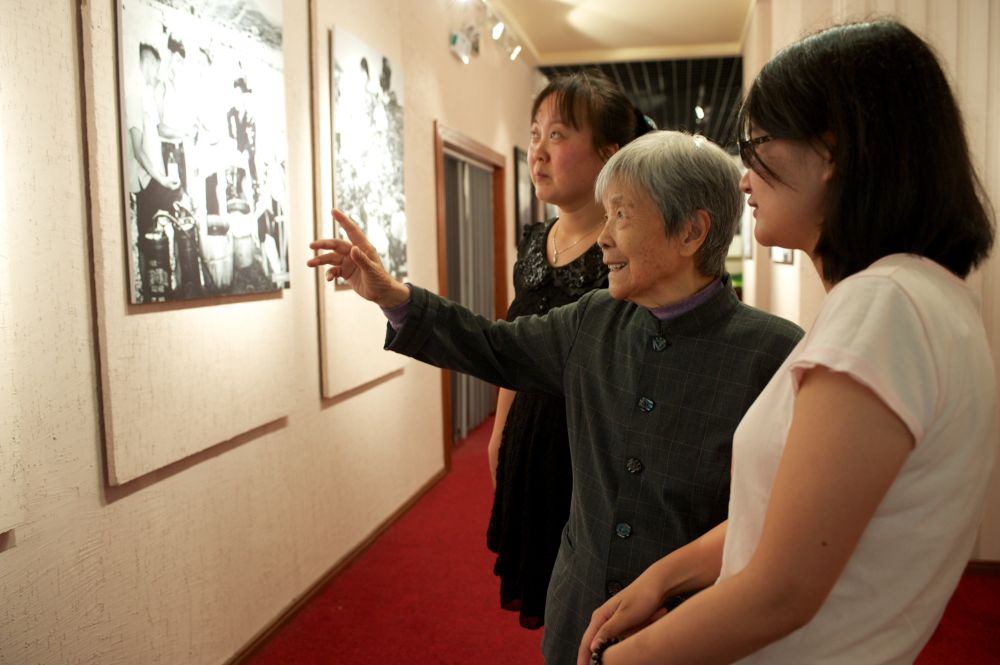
[{"x": 591, "y": 31}]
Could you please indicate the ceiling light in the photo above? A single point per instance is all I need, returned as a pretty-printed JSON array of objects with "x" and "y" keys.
[
  {"x": 699, "y": 108},
  {"x": 497, "y": 30},
  {"x": 461, "y": 46},
  {"x": 516, "y": 51}
]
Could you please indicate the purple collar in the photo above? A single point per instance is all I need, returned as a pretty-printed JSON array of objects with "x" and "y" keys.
[{"x": 673, "y": 310}]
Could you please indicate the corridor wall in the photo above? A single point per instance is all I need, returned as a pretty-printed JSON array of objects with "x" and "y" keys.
[{"x": 188, "y": 563}]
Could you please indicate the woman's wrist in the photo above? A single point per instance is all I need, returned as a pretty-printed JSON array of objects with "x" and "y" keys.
[{"x": 398, "y": 295}]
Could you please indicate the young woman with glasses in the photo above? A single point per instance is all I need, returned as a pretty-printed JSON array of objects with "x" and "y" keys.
[{"x": 860, "y": 473}]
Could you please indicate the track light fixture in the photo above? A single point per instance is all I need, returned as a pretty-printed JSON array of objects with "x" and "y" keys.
[{"x": 477, "y": 17}]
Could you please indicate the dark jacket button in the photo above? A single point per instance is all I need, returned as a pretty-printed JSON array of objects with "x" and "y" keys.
[
  {"x": 633, "y": 465},
  {"x": 646, "y": 404},
  {"x": 623, "y": 530},
  {"x": 659, "y": 343}
]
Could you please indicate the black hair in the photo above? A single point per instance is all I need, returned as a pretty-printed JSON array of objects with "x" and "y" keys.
[
  {"x": 145, "y": 48},
  {"x": 903, "y": 182},
  {"x": 176, "y": 46},
  {"x": 588, "y": 97}
]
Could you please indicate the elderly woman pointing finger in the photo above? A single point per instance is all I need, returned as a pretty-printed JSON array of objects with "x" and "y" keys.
[{"x": 657, "y": 370}]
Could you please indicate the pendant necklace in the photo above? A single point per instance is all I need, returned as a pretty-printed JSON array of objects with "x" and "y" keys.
[{"x": 556, "y": 251}]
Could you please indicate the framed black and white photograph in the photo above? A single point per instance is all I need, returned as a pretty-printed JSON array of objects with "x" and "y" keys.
[
  {"x": 782, "y": 255},
  {"x": 746, "y": 232},
  {"x": 548, "y": 211},
  {"x": 368, "y": 145},
  {"x": 526, "y": 204},
  {"x": 204, "y": 147}
]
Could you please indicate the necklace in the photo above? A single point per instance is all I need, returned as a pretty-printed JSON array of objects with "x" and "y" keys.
[{"x": 556, "y": 251}]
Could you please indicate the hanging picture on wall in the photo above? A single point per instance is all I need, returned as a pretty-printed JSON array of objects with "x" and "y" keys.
[
  {"x": 368, "y": 145},
  {"x": 525, "y": 201},
  {"x": 549, "y": 211},
  {"x": 782, "y": 255},
  {"x": 746, "y": 226},
  {"x": 204, "y": 147}
]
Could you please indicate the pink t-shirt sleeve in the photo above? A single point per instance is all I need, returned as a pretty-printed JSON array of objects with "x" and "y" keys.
[{"x": 871, "y": 329}]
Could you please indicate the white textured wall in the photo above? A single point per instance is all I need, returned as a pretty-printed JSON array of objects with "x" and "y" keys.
[
  {"x": 11, "y": 474},
  {"x": 187, "y": 564},
  {"x": 966, "y": 36}
]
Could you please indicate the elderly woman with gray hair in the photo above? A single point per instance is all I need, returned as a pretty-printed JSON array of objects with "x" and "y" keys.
[{"x": 657, "y": 370}]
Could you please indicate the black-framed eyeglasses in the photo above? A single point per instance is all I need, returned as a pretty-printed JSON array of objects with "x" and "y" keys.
[{"x": 746, "y": 147}]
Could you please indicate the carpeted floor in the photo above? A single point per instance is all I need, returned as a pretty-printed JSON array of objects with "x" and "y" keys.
[{"x": 424, "y": 593}]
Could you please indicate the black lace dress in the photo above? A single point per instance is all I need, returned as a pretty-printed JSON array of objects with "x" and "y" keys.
[{"x": 534, "y": 477}]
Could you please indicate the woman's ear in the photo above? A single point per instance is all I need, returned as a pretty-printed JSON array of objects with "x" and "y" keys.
[
  {"x": 826, "y": 146},
  {"x": 607, "y": 151},
  {"x": 695, "y": 232}
]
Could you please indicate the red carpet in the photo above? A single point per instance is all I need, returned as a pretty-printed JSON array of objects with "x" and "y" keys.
[
  {"x": 425, "y": 593},
  {"x": 969, "y": 632}
]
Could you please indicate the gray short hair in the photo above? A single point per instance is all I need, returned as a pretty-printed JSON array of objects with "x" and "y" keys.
[{"x": 682, "y": 174}]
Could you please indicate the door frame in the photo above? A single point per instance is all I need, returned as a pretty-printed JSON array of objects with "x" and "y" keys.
[{"x": 454, "y": 142}]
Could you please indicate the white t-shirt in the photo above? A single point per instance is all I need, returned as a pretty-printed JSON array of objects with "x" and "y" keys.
[
  {"x": 141, "y": 114},
  {"x": 911, "y": 332}
]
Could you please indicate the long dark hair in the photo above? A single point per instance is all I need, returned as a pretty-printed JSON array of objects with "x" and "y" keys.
[
  {"x": 903, "y": 180},
  {"x": 588, "y": 97}
]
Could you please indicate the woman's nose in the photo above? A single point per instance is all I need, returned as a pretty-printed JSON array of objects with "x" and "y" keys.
[
  {"x": 604, "y": 238},
  {"x": 745, "y": 182}
]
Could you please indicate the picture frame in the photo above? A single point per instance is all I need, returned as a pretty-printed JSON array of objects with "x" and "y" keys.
[
  {"x": 746, "y": 232},
  {"x": 782, "y": 255},
  {"x": 547, "y": 211},
  {"x": 526, "y": 203},
  {"x": 346, "y": 322},
  {"x": 204, "y": 150},
  {"x": 366, "y": 87},
  {"x": 175, "y": 376}
]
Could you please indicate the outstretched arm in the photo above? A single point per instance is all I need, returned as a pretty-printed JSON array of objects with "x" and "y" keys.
[
  {"x": 528, "y": 354},
  {"x": 834, "y": 472}
]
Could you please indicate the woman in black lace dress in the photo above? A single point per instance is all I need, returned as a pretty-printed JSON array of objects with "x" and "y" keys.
[{"x": 578, "y": 122}]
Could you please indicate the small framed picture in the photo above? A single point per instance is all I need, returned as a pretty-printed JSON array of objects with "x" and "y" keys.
[
  {"x": 746, "y": 232},
  {"x": 525, "y": 202},
  {"x": 782, "y": 255}
]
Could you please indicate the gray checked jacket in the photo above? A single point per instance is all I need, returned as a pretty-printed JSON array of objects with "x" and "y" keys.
[{"x": 651, "y": 410}]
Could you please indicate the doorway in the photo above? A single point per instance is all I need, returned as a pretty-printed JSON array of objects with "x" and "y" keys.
[
  {"x": 468, "y": 214},
  {"x": 472, "y": 261}
]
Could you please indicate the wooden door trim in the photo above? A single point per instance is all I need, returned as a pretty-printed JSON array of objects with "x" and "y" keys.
[{"x": 452, "y": 141}]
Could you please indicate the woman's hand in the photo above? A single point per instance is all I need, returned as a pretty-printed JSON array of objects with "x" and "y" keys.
[
  {"x": 356, "y": 260},
  {"x": 634, "y": 607}
]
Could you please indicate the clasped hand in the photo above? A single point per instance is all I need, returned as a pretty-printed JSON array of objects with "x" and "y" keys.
[
  {"x": 631, "y": 609},
  {"x": 356, "y": 261}
]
